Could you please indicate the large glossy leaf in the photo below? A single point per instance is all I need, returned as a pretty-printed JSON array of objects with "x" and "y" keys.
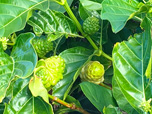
[
  {"x": 14, "y": 14},
  {"x": 24, "y": 55},
  {"x": 130, "y": 62},
  {"x": 74, "y": 59},
  {"x": 24, "y": 103},
  {"x": 118, "y": 12},
  {"x": 98, "y": 95},
  {"x": 52, "y": 22},
  {"x": 120, "y": 99},
  {"x": 21, "y": 62},
  {"x": 6, "y": 72}
]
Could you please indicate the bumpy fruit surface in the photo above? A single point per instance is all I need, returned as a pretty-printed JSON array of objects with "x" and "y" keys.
[
  {"x": 50, "y": 71},
  {"x": 4, "y": 42},
  {"x": 91, "y": 25},
  {"x": 42, "y": 46},
  {"x": 93, "y": 72}
]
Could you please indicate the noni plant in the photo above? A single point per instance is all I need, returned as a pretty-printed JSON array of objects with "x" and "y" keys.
[{"x": 75, "y": 56}]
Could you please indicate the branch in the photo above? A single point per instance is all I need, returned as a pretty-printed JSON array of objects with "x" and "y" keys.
[{"x": 69, "y": 105}]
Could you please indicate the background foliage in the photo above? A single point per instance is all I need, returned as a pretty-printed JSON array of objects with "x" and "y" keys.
[{"x": 122, "y": 44}]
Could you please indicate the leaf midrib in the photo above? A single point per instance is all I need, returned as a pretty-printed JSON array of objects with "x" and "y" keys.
[{"x": 22, "y": 14}]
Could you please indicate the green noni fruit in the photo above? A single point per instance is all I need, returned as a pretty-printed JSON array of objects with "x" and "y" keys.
[
  {"x": 91, "y": 25},
  {"x": 50, "y": 71},
  {"x": 93, "y": 72},
  {"x": 4, "y": 42},
  {"x": 42, "y": 46}
]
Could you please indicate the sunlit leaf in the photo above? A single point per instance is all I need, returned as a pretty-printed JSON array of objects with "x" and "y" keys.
[
  {"x": 52, "y": 22},
  {"x": 24, "y": 55},
  {"x": 21, "y": 63},
  {"x": 14, "y": 14},
  {"x": 37, "y": 88},
  {"x": 118, "y": 12},
  {"x": 130, "y": 62},
  {"x": 6, "y": 72}
]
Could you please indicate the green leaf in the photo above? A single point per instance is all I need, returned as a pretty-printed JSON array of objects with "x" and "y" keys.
[
  {"x": 84, "y": 14},
  {"x": 24, "y": 56},
  {"x": 57, "y": 7},
  {"x": 74, "y": 60},
  {"x": 120, "y": 99},
  {"x": 91, "y": 4},
  {"x": 14, "y": 14},
  {"x": 6, "y": 72},
  {"x": 21, "y": 63},
  {"x": 111, "y": 110},
  {"x": 149, "y": 68},
  {"x": 130, "y": 60},
  {"x": 98, "y": 95},
  {"x": 52, "y": 22},
  {"x": 24, "y": 102},
  {"x": 118, "y": 12},
  {"x": 37, "y": 88}
]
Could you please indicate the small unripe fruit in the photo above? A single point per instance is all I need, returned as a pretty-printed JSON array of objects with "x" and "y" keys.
[
  {"x": 42, "y": 46},
  {"x": 93, "y": 72},
  {"x": 91, "y": 25}
]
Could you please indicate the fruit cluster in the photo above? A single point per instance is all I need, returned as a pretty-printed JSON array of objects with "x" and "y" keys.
[{"x": 50, "y": 71}]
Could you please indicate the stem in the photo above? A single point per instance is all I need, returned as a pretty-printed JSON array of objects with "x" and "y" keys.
[
  {"x": 72, "y": 16},
  {"x": 71, "y": 106},
  {"x": 11, "y": 44},
  {"x": 104, "y": 85},
  {"x": 106, "y": 56},
  {"x": 137, "y": 18}
]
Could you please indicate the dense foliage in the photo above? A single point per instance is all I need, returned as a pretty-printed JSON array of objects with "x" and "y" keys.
[{"x": 75, "y": 56}]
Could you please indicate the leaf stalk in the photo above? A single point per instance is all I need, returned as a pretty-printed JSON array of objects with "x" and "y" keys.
[
  {"x": 104, "y": 85},
  {"x": 106, "y": 56}
]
